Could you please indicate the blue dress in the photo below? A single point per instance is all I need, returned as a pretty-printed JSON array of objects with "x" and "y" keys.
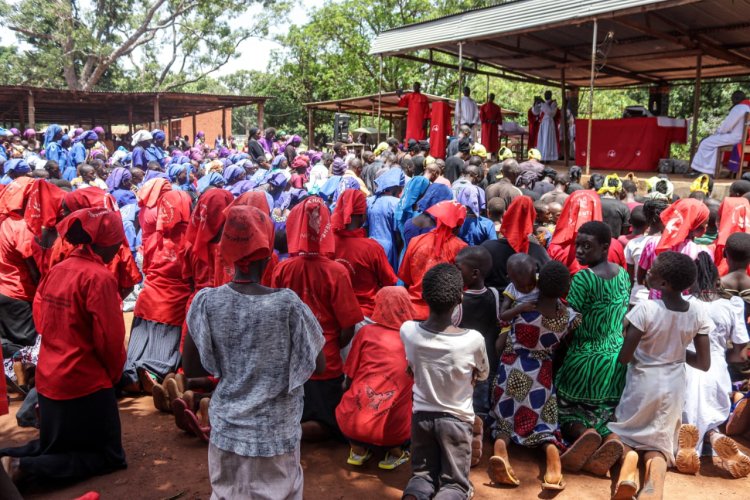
[
  {"x": 381, "y": 221},
  {"x": 477, "y": 230},
  {"x": 77, "y": 154},
  {"x": 154, "y": 153}
]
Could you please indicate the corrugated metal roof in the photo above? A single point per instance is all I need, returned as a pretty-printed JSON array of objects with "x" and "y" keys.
[{"x": 505, "y": 19}]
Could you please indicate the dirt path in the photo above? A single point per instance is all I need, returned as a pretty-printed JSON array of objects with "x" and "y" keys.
[{"x": 165, "y": 463}]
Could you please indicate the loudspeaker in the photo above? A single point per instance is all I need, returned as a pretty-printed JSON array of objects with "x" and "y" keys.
[
  {"x": 340, "y": 127},
  {"x": 658, "y": 100}
]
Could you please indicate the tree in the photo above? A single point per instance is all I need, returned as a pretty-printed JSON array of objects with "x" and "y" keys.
[{"x": 159, "y": 44}]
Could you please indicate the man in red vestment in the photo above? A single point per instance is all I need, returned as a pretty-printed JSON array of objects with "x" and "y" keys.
[
  {"x": 491, "y": 117},
  {"x": 418, "y": 112},
  {"x": 535, "y": 117}
]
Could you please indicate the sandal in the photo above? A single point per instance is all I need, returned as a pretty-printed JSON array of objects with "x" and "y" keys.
[
  {"x": 604, "y": 458},
  {"x": 687, "y": 459},
  {"x": 625, "y": 490},
  {"x": 558, "y": 486},
  {"x": 161, "y": 399},
  {"x": 581, "y": 450},
  {"x": 501, "y": 473},
  {"x": 195, "y": 427},
  {"x": 179, "y": 407}
]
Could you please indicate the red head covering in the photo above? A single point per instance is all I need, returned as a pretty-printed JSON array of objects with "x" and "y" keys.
[
  {"x": 351, "y": 202},
  {"x": 734, "y": 217},
  {"x": 247, "y": 237},
  {"x": 393, "y": 307},
  {"x": 308, "y": 228},
  {"x": 14, "y": 197},
  {"x": 448, "y": 215},
  {"x": 174, "y": 208},
  {"x": 103, "y": 226},
  {"x": 207, "y": 220},
  {"x": 679, "y": 219},
  {"x": 300, "y": 161},
  {"x": 43, "y": 208},
  {"x": 149, "y": 194},
  {"x": 518, "y": 223},
  {"x": 255, "y": 199},
  {"x": 580, "y": 207},
  {"x": 91, "y": 197}
]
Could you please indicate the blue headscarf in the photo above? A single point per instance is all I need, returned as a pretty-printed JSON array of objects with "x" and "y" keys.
[
  {"x": 412, "y": 193},
  {"x": 154, "y": 174},
  {"x": 242, "y": 187},
  {"x": 277, "y": 161},
  {"x": 344, "y": 184},
  {"x": 390, "y": 178},
  {"x": 278, "y": 180},
  {"x": 117, "y": 177},
  {"x": 158, "y": 135},
  {"x": 434, "y": 195},
  {"x": 470, "y": 198},
  {"x": 232, "y": 172},
  {"x": 210, "y": 179},
  {"x": 17, "y": 165},
  {"x": 260, "y": 177},
  {"x": 175, "y": 170},
  {"x": 89, "y": 135},
  {"x": 50, "y": 133}
]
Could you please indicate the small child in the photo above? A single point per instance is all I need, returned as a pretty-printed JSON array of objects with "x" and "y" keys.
[
  {"x": 522, "y": 288},
  {"x": 495, "y": 211},
  {"x": 649, "y": 415},
  {"x": 445, "y": 361},
  {"x": 524, "y": 399}
]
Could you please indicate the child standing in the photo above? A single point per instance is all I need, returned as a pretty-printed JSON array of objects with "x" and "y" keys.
[
  {"x": 445, "y": 360},
  {"x": 524, "y": 399},
  {"x": 649, "y": 415}
]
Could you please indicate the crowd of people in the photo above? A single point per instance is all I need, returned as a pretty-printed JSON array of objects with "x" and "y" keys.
[{"x": 412, "y": 306}]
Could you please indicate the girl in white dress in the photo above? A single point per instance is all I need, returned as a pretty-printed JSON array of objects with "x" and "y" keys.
[
  {"x": 649, "y": 415},
  {"x": 707, "y": 401}
]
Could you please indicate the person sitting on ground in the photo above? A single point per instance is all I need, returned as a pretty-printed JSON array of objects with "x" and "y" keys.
[
  {"x": 559, "y": 193},
  {"x": 739, "y": 188},
  {"x": 712, "y": 228},
  {"x": 495, "y": 212},
  {"x": 475, "y": 229},
  {"x": 505, "y": 188},
  {"x": 423, "y": 222},
  {"x": 628, "y": 194},
  {"x": 614, "y": 212},
  {"x": 575, "y": 174},
  {"x": 638, "y": 226},
  {"x": 547, "y": 181},
  {"x": 534, "y": 163}
]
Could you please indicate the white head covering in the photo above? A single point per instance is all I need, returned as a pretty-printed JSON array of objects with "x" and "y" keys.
[{"x": 141, "y": 135}]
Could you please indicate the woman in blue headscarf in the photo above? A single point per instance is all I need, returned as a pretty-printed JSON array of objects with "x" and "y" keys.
[
  {"x": 52, "y": 137},
  {"x": 381, "y": 213},
  {"x": 233, "y": 174},
  {"x": 81, "y": 145},
  {"x": 119, "y": 184},
  {"x": 407, "y": 205},
  {"x": 155, "y": 151},
  {"x": 329, "y": 190},
  {"x": 209, "y": 181},
  {"x": 475, "y": 229},
  {"x": 424, "y": 223},
  {"x": 279, "y": 163}
]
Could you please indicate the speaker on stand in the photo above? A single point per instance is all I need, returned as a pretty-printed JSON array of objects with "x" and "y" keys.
[{"x": 340, "y": 127}]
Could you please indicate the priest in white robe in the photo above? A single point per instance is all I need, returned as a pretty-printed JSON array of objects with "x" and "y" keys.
[
  {"x": 467, "y": 113},
  {"x": 729, "y": 133},
  {"x": 547, "y": 140}
]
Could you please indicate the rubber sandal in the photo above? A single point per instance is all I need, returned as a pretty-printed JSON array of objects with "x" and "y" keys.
[
  {"x": 358, "y": 460},
  {"x": 687, "y": 460},
  {"x": 581, "y": 450},
  {"x": 173, "y": 392},
  {"x": 148, "y": 380},
  {"x": 391, "y": 461},
  {"x": 604, "y": 458},
  {"x": 736, "y": 462},
  {"x": 558, "y": 486},
  {"x": 195, "y": 427},
  {"x": 161, "y": 399},
  {"x": 179, "y": 408},
  {"x": 501, "y": 473},
  {"x": 625, "y": 490},
  {"x": 739, "y": 418}
]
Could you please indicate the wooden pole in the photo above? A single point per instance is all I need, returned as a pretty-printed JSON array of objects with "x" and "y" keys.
[
  {"x": 696, "y": 106},
  {"x": 21, "y": 119},
  {"x": 564, "y": 121},
  {"x": 195, "y": 127},
  {"x": 224, "y": 124},
  {"x": 130, "y": 118},
  {"x": 591, "y": 98},
  {"x": 156, "y": 112},
  {"x": 310, "y": 129},
  {"x": 380, "y": 96},
  {"x": 31, "y": 110},
  {"x": 460, "y": 80},
  {"x": 261, "y": 110}
]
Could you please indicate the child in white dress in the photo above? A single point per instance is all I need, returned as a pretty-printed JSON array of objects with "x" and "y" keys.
[{"x": 649, "y": 415}]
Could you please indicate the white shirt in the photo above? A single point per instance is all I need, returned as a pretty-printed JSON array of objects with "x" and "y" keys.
[
  {"x": 734, "y": 122},
  {"x": 443, "y": 365},
  {"x": 469, "y": 112}
]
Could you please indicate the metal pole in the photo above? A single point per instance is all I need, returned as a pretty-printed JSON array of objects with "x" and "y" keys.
[
  {"x": 380, "y": 95},
  {"x": 696, "y": 105},
  {"x": 460, "y": 80},
  {"x": 591, "y": 98}
]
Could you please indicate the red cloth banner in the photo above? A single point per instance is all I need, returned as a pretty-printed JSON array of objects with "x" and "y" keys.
[{"x": 440, "y": 128}]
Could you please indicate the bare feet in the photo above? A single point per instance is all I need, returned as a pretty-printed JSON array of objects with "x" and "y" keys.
[
  {"x": 627, "y": 482},
  {"x": 734, "y": 461},
  {"x": 581, "y": 450},
  {"x": 687, "y": 459},
  {"x": 476, "y": 441},
  {"x": 656, "y": 471}
]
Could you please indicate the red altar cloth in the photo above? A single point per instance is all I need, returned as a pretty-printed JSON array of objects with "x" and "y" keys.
[
  {"x": 635, "y": 144},
  {"x": 440, "y": 128}
]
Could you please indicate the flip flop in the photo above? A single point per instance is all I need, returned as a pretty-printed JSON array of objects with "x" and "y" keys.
[
  {"x": 195, "y": 426},
  {"x": 604, "y": 458},
  {"x": 739, "y": 419},
  {"x": 625, "y": 490},
  {"x": 736, "y": 462},
  {"x": 687, "y": 459},
  {"x": 581, "y": 450},
  {"x": 558, "y": 486},
  {"x": 501, "y": 473},
  {"x": 179, "y": 407},
  {"x": 161, "y": 399}
]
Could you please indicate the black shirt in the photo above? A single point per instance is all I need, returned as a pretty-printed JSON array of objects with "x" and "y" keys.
[
  {"x": 500, "y": 250},
  {"x": 479, "y": 311},
  {"x": 256, "y": 150},
  {"x": 616, "y": 215},
  {"x": 453, "y": 168}
]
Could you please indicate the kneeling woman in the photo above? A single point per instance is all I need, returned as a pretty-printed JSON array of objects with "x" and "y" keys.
[{"x": 77, "y": 311}]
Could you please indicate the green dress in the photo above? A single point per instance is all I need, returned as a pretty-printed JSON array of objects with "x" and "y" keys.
[{"x": 590, "y": 380}]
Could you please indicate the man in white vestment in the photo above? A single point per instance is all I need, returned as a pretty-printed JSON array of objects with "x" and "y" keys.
[
  {"x": 729, "y": 133},
  {"x": 469, "y": 113},
  {"x": 547, "y": 140}
]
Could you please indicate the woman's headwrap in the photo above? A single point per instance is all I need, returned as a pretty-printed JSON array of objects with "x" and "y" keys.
[
  {"x": 393, "y": 307},
  {"x": 580, "y": 207},
  {"x": 213, "y": 155},
  {"x": 224, "y": 152},
  {"x": 148, "y": 196},
  {"x": 141, "y": 136},
  {"x": 381, "y": 147},
  {"x": 300, "y": 161},
  {"x": 50, "y": 133},
  {"x": 211, "y": 179},
  {"x": 296, "y": 196},
  {"x": 44, "y": 206},
  {"x": 17, "y": 166},
  {"x": 248, "y": 236},
  {"x": 658, "y": 188},
  {"x": 91, "y": 197},
  {"x": 76, "y": 133},
  {"x": 518, "y": 223},
  {"x": 351, "y": 202},
  {"x": 103, "y": 226},
  {"x": 196, "y": 154},
  {"x": 232, "y": 173},
  {"x": 504, "y": 154},
  {"x": 448, "y": 215},
  {"x": 534, "y": 154},
  {"x": 200, "y": 135},
  {"x": 206, "y": 221},
  {"x": 154, "y": 174},
  {"x": 174, "y": 208},
  {"x": 339, "y": 167},
  {"x": 679, "y": 219},
  {"x": 393, "y": 177},
  {"x": 411, "y": 195},
  {"x": 29, "y": 133},
  {"x": 314, "y": 156},
  {"x": 471, "y": 199},
  {"x": 88, "y": 135},
  {"x": 308, "y": 228},
  {"x": 734, "y": 217},
  {"x": 701, "y": 183},
  {"x": 257, "y": 199},
  {"x": 612, "y": 185},
  {"x": 434, "y": 195},
  {"x": 295, "y": 141},
  {"x": 158, "y": 135},
  {"x": 15, "y": 196},
  {"x": 278, "y": 180},
  {"x": 478, "y": 150},
  {"x": 215, "y": 166},
  {"x": 176, "y": 169},
  {"x": 117, "y": 177},
  {"x": 241, "y": 187},
  {"x": 99, "y": 130},
  {"x": 345, "y": 184},
  {"x": 276, "y": 163}
]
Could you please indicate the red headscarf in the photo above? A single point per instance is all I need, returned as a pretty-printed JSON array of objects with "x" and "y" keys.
[
  {"x": 207, "y": 220},
  {"x": 43, "y": 208},
  {"x": 174, "y": 208},
  {"x": 351, "y": 202},
  {"x": 308, "y": 228},
  {"x": 91, "y": 197},
  {"x": 679, "y": 219},
  {"x": 449, "y": 215},
  {"x": 734, "y": 217},
  {"x": 300, "y": 161},
  {"x": 580, "y": 207},
  {"x": 103, "y": 226},
  {"x": 393, "y": 307},
  {"x": 149, "y": 194},
  {"x": 518, "y": 223},
  {"x": 14, "y": 197},
  {"x": 255, "y": 199},
  {"x": 247, "y": 237}
]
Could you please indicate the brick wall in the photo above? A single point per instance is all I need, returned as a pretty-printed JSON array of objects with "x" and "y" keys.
[{"x": 209, "y": 123}]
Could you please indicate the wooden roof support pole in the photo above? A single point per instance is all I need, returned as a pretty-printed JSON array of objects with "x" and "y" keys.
[
  {"x": 696, "y": 105},
  {"x": 21, "y": 119},
  {"x": 261, "y": 110},
  {"x": 380, "y": 96},
  {"x": 564, "y": 120},
  {"x": 591, "y": 98},
  {"x": 460, "y": 81},
  {"x": 224, "y": 125},
  {"x": 195, "y": 128},
  {"x": 310, "y": 129},
  {"x": 157, "y": 118},
  {"x": 130, "y": 118},
  {"x": 31, "y": 110}
]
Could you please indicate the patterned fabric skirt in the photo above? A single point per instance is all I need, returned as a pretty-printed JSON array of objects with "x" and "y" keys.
[{"x": 592, "y": 416}]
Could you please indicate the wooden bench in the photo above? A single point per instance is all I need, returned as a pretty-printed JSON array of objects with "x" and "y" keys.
[{"x": 745, "y": 150}]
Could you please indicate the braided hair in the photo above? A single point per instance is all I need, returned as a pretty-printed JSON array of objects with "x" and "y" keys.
[
  {"x": 707, "y": 286},
  {"x": 652, "y": 209}
]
